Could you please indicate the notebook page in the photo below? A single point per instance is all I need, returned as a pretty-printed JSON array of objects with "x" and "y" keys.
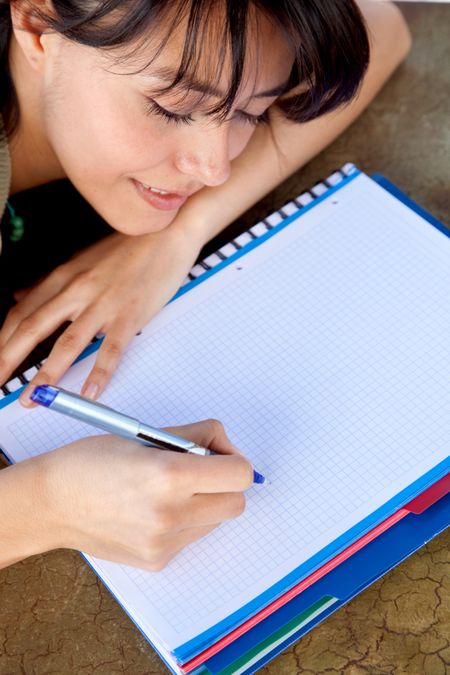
[{"x": 325, "y": 353}]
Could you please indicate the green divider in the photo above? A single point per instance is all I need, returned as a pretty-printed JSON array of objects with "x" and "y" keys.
[{"x": 254, "y": 654}]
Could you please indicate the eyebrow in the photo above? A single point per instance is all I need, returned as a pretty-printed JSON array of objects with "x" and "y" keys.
[{"x": 190, "y": 83}]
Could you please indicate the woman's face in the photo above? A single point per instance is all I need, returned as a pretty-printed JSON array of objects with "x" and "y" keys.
[{"x": 136, "y": 155}]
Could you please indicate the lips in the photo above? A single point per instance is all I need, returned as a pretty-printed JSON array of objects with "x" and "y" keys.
[{"x": 160, "y": 199}]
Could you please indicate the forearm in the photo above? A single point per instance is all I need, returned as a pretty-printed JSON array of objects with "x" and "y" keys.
[
  {"x": 275, "y": 152},
  {"x": 24, "y": 524}
]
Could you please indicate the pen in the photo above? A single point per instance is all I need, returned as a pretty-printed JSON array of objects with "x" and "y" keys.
[{"x": 102, "y": 417}]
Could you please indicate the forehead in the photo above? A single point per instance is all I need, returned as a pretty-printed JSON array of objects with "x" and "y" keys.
[{"x": 206, "y": 57}]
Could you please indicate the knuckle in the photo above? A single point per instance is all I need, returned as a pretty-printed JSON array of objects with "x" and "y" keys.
[
  {"x": 152, "y": 551},
  {"x": 99, "y": 373},
  {"x": 42, "y": 377},
  {"x": 84, "y": 278},
  {"x": 59, "y": 274},
  {"x": 29, "y": 326},
  {"x": 156, "y": 565},
  {"x": 15, "y": 313},
  {"x": 155, "y": 555},
  {"x": 150, "y": 565},
  {"x": 69, "y": 340},
  {"x": 113, "y": 348},
  {"x": 215, "y": 426},
  {"x": 164, "y": 523}
]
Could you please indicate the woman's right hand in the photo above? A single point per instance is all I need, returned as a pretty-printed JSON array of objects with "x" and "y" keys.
[{"x": 121, "y": 501}]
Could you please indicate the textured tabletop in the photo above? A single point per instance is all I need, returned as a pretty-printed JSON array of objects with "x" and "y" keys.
[{"x": 56, "y": 617}]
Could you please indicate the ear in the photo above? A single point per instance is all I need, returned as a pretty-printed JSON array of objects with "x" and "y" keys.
[{"x": 29, "y": 28}]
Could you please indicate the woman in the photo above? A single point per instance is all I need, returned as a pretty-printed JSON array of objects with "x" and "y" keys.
[{"x": 170, "y": 119}]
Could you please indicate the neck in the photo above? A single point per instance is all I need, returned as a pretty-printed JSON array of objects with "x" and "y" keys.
[{"x": 33, "y": 161}]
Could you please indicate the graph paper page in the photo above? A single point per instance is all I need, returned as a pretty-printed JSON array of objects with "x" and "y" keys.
[{"x": 324, "y": 351}]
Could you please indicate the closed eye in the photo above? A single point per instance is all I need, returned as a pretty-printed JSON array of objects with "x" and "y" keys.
[
  {"x": 177, "y": 118},
  {"x": 170, "y": 117},
  {"x": 253, "y": 119}
]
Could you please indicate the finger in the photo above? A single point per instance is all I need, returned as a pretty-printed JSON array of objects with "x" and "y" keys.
[
  {"x": 108, "y": 357},
  {"x": 158, "y": 554},
  {"x": 31, "y": 331},
  {"x": 180, "y": 541},
  {"x": 189, "y": 474},
  {"x": 203, "y": 510},
  {"x": 208, "y": 433},
  {"x": 33, "y": 300},
  {"x": 66, "y": 349},
  {"x": 21, "y": 293}
]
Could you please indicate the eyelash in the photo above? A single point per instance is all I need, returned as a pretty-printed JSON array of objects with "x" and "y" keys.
[{"x": 174, "y": 118}]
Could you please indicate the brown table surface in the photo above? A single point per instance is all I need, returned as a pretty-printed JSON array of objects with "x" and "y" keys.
[{"x": 55, "y": 615}]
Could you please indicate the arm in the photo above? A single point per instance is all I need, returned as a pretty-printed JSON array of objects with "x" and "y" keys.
[
  {"x": 117, "y": 286},
  {"x": 119, "y": 500},
  {"x": 283, "y": 147},
  {"x": 22, "y": 533}
]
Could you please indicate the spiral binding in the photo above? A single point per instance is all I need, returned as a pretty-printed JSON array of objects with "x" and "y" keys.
[
  {"x": 268, "y": 223},
  {"x": 260, "y": 228}
]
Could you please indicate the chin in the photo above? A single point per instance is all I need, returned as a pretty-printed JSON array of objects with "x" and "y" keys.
[{"x": 147, "y": 226}]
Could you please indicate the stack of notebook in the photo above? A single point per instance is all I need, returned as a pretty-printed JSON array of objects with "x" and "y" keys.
[{"x": 320, "y": 339}]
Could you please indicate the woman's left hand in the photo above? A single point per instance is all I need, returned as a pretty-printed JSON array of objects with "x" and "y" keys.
[{"x": 113, "y": 287}]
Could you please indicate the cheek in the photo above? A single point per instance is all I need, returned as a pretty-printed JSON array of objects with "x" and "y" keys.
[
  {"x": 99, "y": 133},
  {"x": 100, "y": 146},
  {"x": 98, "y": 130},
  {"x": 239, "y": 139}
]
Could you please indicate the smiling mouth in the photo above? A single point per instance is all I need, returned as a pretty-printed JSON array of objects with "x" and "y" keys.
[
  {"x": 156, "y": 190},
  {"x": 163, "y": 200}
]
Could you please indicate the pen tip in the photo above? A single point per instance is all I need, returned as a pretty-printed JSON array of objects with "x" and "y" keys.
[{"x": 259, "y": 478}]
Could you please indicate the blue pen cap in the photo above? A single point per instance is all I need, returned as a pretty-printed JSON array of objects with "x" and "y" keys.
[{"x": 44, "y": 394}]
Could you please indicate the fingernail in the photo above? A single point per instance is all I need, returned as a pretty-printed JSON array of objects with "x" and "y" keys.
[
  {"x": 25, "y": 396},
  {"x": 91, "y": 391}
]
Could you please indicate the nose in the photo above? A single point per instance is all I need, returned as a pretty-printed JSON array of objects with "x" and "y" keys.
[{"x": 206, "y": 155}]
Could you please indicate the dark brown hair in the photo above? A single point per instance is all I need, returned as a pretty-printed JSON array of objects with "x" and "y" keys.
[{"x": 327, "y": 37}]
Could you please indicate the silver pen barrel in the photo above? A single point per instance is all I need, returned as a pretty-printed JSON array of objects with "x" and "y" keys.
[
  {"x": 96, "y": 414},
  {"x": 105, "y": 418},
  {"x": 165, "y": 439}
]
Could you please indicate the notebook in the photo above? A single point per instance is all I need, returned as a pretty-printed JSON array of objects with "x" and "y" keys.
[
  {"x": 319, "y": 339},
  {"x": 266, "y": 639}
]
